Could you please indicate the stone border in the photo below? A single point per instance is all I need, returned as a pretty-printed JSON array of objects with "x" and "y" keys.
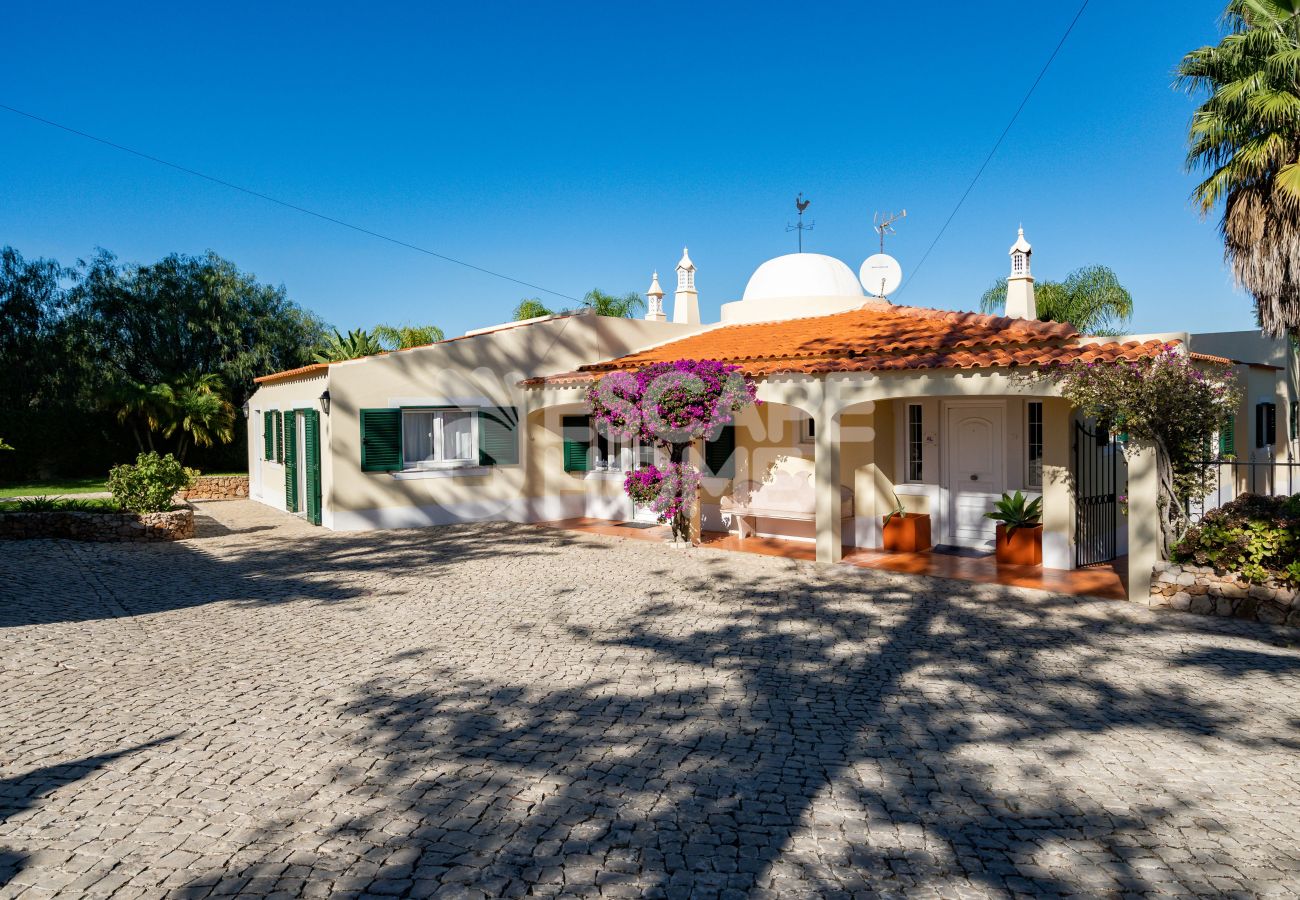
[
  {"x": 1200, "y": 589},
  {"x": 103, "y": 527},
  {"x": 217, "y": 487}
]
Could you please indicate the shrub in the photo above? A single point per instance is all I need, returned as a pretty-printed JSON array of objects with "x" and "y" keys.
[
  {"x": 149, "y": 485},
  {"x": 1258, "y": 537}
]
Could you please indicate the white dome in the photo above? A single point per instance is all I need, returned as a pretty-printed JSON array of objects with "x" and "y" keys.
[{"x": 802, "y": 275}]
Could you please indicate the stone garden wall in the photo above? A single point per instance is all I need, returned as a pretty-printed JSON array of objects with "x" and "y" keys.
[
  {"x": 217, "y": 487},
  {"x": 174, "y": 525},
  {"x": 1200, "y": 589}
]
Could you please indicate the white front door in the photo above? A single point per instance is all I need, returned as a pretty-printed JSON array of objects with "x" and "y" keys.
[{"x": 976, "y": 472}]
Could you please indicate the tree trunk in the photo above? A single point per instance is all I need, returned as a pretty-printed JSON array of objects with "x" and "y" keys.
[
  {"x": 681, "y": 522},
  {"x": 1173, "y": 520}
]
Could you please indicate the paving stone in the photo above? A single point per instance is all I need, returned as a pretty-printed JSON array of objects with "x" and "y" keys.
[{"x": 496, "y": 710}]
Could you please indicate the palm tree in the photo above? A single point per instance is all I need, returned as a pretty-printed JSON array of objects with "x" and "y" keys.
[
  {"x": 197, "y": 408},
  {"x": 136, "y": 404},
  {"x": 624, "y": 307},
  {"x": 1246, "y": 135},
  {"x": 531, "y": 308},
  {"x": 357, "y": 344},
  {"x": 404, "y": 337},
  {"x": 1090, "y": 298}
]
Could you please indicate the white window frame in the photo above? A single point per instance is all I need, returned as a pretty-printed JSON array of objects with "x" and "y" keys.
[
  {"x": 439, "y": 462},
  {"x": 907, "y": 442},
  {"x": 1042, "y": 425},
  {"x": 807, "y": 430}
]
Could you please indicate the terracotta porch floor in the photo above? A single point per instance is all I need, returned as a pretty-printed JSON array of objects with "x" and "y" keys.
[{"x": 1106, "y": 581}]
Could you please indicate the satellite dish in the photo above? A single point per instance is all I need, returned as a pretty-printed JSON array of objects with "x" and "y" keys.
[{"x": 880, "y": 275}]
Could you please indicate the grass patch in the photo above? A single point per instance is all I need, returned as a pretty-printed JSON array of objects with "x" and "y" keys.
[
  {"x": 53, "y": 488},
  {"x": 61, "y": 504}
]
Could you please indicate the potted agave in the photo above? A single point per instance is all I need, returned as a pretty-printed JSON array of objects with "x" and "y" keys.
[
  {"x": 1020, "y": 530},
  {"x": 906, "y": 532}
]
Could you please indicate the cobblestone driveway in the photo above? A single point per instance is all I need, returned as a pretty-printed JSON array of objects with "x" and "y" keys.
[{"x": 502, "y": 710}]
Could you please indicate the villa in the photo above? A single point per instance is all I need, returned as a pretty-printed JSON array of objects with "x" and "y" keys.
[{"x": 863, "y": 402}]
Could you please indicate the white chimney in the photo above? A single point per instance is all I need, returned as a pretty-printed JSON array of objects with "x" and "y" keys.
[
  {"x": 686, "y": 302},
  {"x": 654, "y": 309},
  {"x": 1020, "y": 283}
]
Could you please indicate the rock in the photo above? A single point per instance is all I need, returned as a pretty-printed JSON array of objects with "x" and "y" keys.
[
  {"x": 1223, "y": 606},
  {"x": 1181, "y": 600},
  {"x": 1272, "y": 613},
  {"x": 1203, "y": 605},
  {"x": 1260, "y": 592},
  {"x": 1186, "y": 578}
]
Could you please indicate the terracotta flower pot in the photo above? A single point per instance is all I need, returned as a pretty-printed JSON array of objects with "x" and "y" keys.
[
  {"x": 907, "y": 534},
  {"x": 1022, "y": 548}
]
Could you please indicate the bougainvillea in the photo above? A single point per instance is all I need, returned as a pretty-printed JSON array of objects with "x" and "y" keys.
[
  {"x": 643, "y": 484},
  {"x": 1168, "y": 400},
  {"x": 669, "y": 405}
]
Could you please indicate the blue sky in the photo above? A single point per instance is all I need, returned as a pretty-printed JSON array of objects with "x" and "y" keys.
[{"x": 581, "y": 145}]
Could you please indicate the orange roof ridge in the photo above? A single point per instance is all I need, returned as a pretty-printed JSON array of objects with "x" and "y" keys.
[{"x": 291, "y": 373}]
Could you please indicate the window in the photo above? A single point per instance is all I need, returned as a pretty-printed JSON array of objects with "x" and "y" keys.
[
  {"x": 609, "y": 454},
  {"x": 1034, "y": 445},
  {"x": 434, "y": 437},
  {"x": 1228, "y": 437},
  {"x": 915, "y": 443},
  {"x": 1265, "y": 425},
  {"x": 1294, "y": 424},
  {"x": 807, "y": 430}
]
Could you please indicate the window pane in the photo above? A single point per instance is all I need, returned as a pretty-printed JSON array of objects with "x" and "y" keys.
[
  {"x": 1034, "y": 443},
  {"x": 417, "y": 437},
  {"x": 915, "y": 444},
  {"x": 457, "y": 435}
]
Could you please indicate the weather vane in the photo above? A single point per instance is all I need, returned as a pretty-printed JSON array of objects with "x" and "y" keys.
[
  {"x": 884, "y": 224},
  {"x": 801, "y": 226}
]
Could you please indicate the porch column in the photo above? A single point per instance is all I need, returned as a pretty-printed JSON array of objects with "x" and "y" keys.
[
  {"x": 1143, "y": 520},
  {"x": 826, "y": 471},
  {"x": 1058, "y": 486}
]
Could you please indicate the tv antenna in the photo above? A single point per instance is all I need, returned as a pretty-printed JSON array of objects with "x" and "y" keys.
[
  {"x": 801, "y": 226},
  {"x": 884, "y": 224},
  {"x": 880, "y": 273}
]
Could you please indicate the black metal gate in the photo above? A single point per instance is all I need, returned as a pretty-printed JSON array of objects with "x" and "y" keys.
[{"x": 1096, "y": 474}]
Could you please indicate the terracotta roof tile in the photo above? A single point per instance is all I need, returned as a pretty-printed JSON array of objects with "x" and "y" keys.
[
  {"x": 874, "y": 328},
  {"x": 292, "y": 373}
]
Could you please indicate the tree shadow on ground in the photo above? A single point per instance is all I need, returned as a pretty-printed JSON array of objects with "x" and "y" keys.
[
  {"x": 19, "y": 793},
  {"x": 97, "y": 581},
  {"x": 796, "y": 733}
]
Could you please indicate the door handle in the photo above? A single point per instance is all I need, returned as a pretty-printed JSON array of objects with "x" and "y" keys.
[{"x": 974, "y": 478}]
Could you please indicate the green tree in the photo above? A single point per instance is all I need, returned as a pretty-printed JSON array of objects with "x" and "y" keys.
[
  {"x": 404, "y": 337},
  {"x": 621, "y": 307},
  {"x": 155, "y": 323},
  {"x": 357, "y": 343},
  {"x": 1246, "y": 136},
  {"x": 1090, "y": 298},
  {"x": 531, "y": 308}
]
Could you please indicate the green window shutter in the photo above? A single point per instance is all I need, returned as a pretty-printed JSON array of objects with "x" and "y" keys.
[
  {"x": 290, "y": 462},
  {"x": 1228, "y": 437},
  {"x": 278, "y": 417},
  {"x": 498, "y": 436},
  {"x": 268, "y": 435},
  {"x": 381, "y": 440},
  {"x": 311, "y": 457},
  {"x": 1294, "y": 429},
  {"x": 720, "y": 453},
  {"x": 577, "y": 443}
]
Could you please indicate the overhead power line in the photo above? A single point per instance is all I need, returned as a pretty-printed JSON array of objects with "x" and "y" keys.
[
  {"x": 1047, "y": 65},
  {"x": 284, "y": 203}
]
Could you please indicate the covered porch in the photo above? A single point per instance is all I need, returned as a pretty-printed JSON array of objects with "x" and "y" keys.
[{"x": 1107, "y": 581}]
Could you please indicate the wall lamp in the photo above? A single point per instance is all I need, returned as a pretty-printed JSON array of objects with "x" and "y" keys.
[
  {"x": 244, "y": 409},
  {"x": 325, "y": 401}
]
